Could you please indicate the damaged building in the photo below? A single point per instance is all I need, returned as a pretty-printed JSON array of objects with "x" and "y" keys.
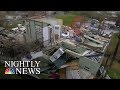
[
  {"x": 38, "y": 29},
  {"x": 62, "y": 51}
]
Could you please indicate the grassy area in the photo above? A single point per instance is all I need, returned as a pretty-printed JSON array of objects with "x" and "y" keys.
[
  {"x": 114, "y": 71},
  {"x": 67, "y": 19}
]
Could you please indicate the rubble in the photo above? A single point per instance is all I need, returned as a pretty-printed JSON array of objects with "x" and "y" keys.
[{"x": 77, "y": 54}]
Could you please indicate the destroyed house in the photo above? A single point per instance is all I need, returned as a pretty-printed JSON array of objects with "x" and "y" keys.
[
  {"x": 39, "y": 56},
  {"x": 34, "y": 30},
  {"x": 95, "y": 43},
  {"x": 56, "y": 56},
  {"x": 88, "y": 59},
  {"x": 65, "y": 52},
  {"x": 37, "y": 28}
]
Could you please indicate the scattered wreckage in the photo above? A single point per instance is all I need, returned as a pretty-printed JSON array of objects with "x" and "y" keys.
[
  {"x": 88, "y": 55},
  {"x": 71, "y": 55}
]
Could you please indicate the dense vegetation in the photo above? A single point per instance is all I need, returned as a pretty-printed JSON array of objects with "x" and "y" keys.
[{"x": 114, "y": 70}]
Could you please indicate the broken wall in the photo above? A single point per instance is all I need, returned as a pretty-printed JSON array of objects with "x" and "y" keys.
[{"x": 89, "y": 65}]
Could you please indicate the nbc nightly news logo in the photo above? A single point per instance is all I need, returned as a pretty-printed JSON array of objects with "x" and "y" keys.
[{"x": 22, "y": 67}]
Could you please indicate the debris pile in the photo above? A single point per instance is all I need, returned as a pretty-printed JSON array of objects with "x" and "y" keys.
[
  {"x": 76, "y": 53},
  {"x": 74, "y": 57}
]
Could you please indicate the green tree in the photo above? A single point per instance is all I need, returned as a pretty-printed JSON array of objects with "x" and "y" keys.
[{"x": 118, "y": 43}]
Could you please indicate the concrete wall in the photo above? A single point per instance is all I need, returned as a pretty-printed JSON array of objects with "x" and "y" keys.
[
  {"x": 79, "y": 50},
  {"x": 92, "y": 66},
  {"x": 32, "y": 33},
  {"x": 84, "y": 61}
]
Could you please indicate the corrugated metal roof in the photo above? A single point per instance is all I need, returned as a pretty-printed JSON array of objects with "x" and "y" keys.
[
  {"x": 60, "y": 61},
  {"x": 95, "y": 58}
]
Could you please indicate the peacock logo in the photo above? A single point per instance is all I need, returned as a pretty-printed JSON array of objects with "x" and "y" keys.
[{"x": 9, "y": 71}]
